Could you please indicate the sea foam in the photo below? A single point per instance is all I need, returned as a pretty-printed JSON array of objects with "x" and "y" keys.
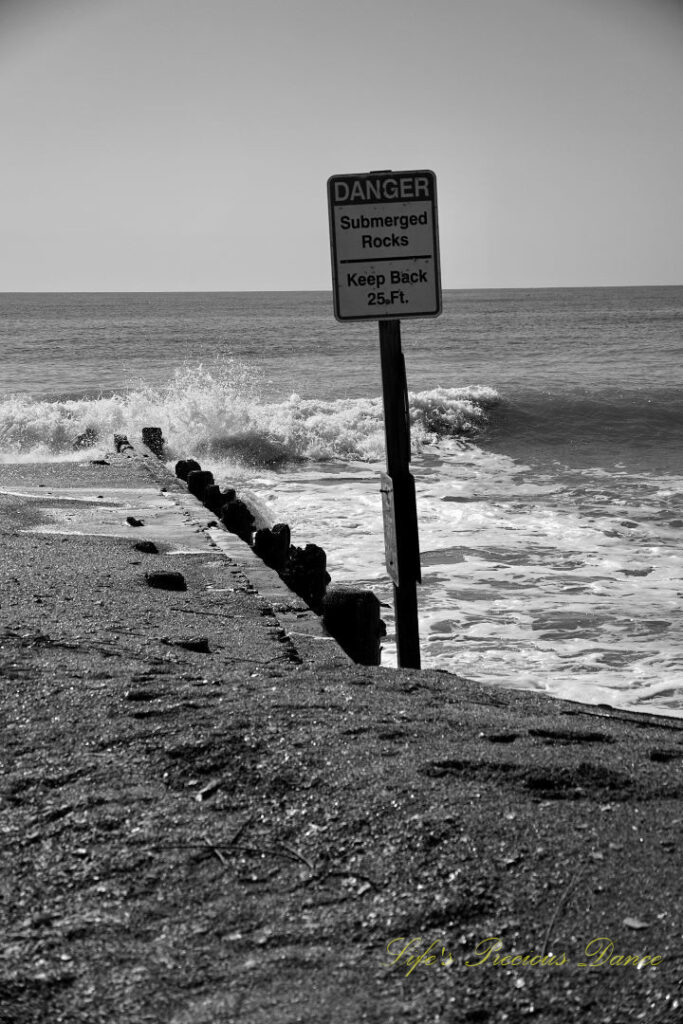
[{"x": 218, "y": 413}]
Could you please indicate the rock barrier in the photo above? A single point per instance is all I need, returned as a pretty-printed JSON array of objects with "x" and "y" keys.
[
  {"x": 153, "y": 438},
  {"x": 350, "y": 614},
  {"x": 272, "y": 545},
  {"x": 122, "y": 444},
  {"x": 185, "y": 467},
  {"x": 197, "y": 482}
]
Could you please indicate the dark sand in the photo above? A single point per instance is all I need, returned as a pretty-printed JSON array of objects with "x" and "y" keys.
[{"x": 209, "y": 815}]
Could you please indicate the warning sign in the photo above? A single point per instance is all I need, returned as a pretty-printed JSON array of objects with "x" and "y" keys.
[{"x": 385, "y": 246}]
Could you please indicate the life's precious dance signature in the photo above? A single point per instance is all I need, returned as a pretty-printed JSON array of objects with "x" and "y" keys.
[{"x": 598, "y": 952}]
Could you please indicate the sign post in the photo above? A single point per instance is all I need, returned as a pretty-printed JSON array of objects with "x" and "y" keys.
[{"x": 385, "y": 265}]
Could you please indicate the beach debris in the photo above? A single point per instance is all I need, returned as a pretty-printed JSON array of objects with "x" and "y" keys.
[
  {"x": 153, "y": 438},
  {"x": 147, "y": 546},
  {"x": 136, "y": 695},
  {"x": 243, "y": 827},
  {"x": 217, "y": 853},
  {"x": 633, "y": 922},
  {"x": 133, "y": 521},
  {"x": 166, "y": 580},
  {"x": 207, "y": 791},
  {"x": 185, "y": 467},
  {"x": 189, "y": 643},
  {"x": 58, "y": 812}
]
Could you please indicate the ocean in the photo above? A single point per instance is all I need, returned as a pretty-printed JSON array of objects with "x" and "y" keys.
[{"x": 547, "y": 432}]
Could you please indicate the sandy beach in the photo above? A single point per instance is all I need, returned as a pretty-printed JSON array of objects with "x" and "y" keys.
[{"x": 210, "y": 814}]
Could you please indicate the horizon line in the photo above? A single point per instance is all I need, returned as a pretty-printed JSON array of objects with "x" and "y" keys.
[{"x": 328, "y": 291}]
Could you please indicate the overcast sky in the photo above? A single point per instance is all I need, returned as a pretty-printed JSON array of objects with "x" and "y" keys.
[{"x": 185, "y": 144}]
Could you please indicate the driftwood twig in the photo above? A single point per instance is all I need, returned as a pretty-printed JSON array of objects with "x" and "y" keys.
[{"x": 573, "y": 882}]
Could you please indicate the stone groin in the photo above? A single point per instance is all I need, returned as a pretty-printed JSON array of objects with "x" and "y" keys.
[{"x": 350, "y": 614}]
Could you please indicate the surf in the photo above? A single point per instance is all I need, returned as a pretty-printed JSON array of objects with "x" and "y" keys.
[{"x": 221, "y": 414}]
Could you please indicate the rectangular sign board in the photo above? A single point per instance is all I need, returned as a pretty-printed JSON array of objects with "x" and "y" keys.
[
  {"x": 395, "y": 501},
  {"x": 385, "y": 245},
  {"x": 389, "y": 519}
]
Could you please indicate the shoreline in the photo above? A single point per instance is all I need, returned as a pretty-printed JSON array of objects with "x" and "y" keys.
[{"x": 206, "y": 817}]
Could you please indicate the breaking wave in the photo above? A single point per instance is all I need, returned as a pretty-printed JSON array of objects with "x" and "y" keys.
[{"x": 218, "y": 414}]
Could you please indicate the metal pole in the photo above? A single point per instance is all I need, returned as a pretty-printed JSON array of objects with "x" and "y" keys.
[{"x": 407, "y": 553}]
